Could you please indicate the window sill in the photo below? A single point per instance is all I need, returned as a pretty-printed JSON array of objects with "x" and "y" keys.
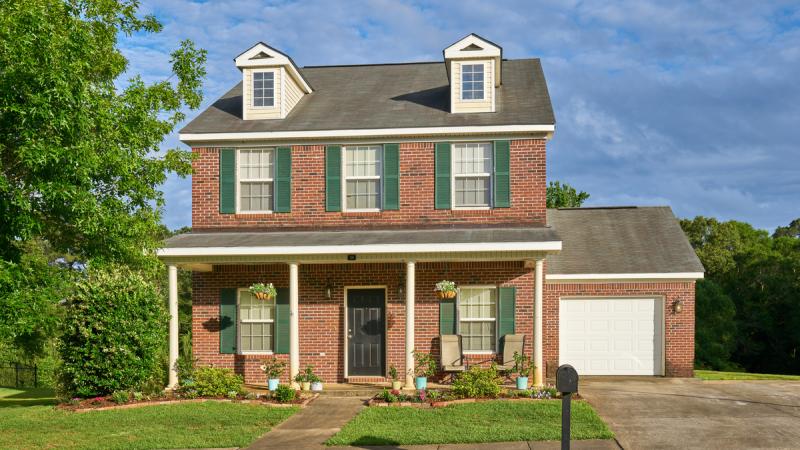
[
  {"x": 252, "y": 213},
  {"x": 256, "y": 353},
  {"x": 480, "y": 352},
  {"x": 362, "y": 211}
]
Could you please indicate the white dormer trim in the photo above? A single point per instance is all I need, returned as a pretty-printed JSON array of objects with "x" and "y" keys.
[
  {"x": 473, "y": 46},
  {"x": 262, "y": 55}
]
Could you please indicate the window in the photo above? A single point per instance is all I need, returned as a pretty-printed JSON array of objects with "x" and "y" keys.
[
  {"x": 256, "y": 323},
  {"x": 472, "y": 175},
  {"x": 362, "y": 177},
  {"x": 256, "y": 166},
  {"x": 263, "y": 89},
  {"x": 477, "y": 314},
  {"x": 472, "y": 81}
]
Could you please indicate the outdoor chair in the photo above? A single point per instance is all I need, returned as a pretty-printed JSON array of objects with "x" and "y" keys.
[
  {"x": 512, "y": 343},
  {"x": 452, "y": 352}
]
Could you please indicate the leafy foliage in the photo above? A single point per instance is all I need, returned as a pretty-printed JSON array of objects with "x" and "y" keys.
[
  {"x": 715, "y": 336},
  {"x": 564, "y": 196},
  {"x": 217, "y": 382},
  {"x": 424, "y": 364},
  {"x": 273, "y": 367},
  {"x": 114, "y": 334},
  {"x": 477, "y": 382},
  {"x": 284, "y": 393}
]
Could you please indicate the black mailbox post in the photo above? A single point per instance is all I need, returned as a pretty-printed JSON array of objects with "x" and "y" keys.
[{"x": 567, "y": 384}]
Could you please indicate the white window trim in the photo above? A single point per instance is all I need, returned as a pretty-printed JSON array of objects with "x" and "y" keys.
[
  {"x": 461, "y": 82},
  {"x": 345, "y": 178},
  {"x": 240, "y": 180},
  {"x": 496, "y": 321},
  {"x": 481, "y": 175},
  {"x": 239, "y": 321},
  {"x": 253, "y": 88}
]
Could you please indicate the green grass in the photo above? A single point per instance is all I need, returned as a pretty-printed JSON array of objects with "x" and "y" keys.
[
  {"x": 210, "y": 424},
  {"x": 493, "y": 421},
  {"x": 714, "y": 375}
]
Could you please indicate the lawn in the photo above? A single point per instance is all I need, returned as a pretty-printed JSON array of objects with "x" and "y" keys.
[
  {"x": 210, "y": 424},
  {"x": 492, "y": 421},
  {"x": 714, "y": 375}
]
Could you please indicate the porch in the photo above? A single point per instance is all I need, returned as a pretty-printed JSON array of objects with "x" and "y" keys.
[{"x": 319, "y": 273}]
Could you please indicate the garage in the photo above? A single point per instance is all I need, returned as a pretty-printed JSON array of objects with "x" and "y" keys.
[{"x": 612, "y": 336}]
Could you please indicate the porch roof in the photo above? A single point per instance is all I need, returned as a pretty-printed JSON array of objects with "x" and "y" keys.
[{"x": 519, "y": 242}]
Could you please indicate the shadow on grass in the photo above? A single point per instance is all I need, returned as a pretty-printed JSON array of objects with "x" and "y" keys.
[{"x": 12, "y": 397}]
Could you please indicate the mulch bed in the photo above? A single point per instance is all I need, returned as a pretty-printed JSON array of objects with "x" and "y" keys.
[
  {"x": 379, "y": 401},
  {"x": 106, "y": 403}
]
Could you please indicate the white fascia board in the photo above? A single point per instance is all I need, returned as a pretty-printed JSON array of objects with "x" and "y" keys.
[
  {"x": 383, "y": 132},
  {"x": 625, "y": 276},
  {"x": 547, "y": 246},
  {"x": 489, "y": 50}
]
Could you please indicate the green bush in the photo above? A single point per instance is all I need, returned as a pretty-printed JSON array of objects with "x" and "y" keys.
[
  {"x": 477, "y": 382},
  {"x": 115, "y": 331},
  {"x": 121, "y": 397},
  {"x": 284, "y": 393},
  {"x": 217, "y": 382}
]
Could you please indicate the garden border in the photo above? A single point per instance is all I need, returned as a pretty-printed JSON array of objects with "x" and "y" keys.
[
  {"x": 378, "y": 402},
  {"x": 302, "y": 404}
]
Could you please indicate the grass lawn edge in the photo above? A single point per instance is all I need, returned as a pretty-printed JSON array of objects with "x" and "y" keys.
[{"x": 714, "y": 375}]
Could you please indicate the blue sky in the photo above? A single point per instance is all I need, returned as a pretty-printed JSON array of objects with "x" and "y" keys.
[{"x": 695, "y": 105}]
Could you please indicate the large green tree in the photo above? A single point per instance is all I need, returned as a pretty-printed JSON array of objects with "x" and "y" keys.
[
  {"x": 80, "y": 164},
  {"x": 562, "y": 195}
]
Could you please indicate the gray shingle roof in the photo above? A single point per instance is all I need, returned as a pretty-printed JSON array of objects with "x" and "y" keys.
[
  {"x": 620, "y": 240},
  {"x": 387, "y": 96}
]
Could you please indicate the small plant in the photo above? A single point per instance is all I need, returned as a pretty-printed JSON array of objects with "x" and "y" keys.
[
  {"x": 390, "y": 396},
  {"x": 522, "y": 364},
  {"x": 138, "y": 396},
  {"x": 545, "y": 392},
  {"x": 393, "y": 373},
  {"x": 434, "y": 395},
  {"x": 251, "y": 396},
  {"x": 273, "y": 368},
  {"x": 424, "y": 364},
  {"x": 445, "y": 289},
  {"x": 185, "y": 368},
  {"x": 284, "y": 394},
  {"x": 216, "y": 382},
  {"x": 478, "y": 382},
  {"x": 233, "y": 394},
  {"x": 120, "y": 397},
  {"x": 264, "y": 291}
]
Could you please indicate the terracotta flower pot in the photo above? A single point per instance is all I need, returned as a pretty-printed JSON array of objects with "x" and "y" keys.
[{"x": 441, "y": 295}]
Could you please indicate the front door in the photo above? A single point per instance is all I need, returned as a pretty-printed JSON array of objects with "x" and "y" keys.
[{"x": 366, "y": 332}]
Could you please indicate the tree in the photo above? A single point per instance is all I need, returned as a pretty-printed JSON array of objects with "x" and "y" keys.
[
  {"x": 792, "y": 230},
  {"x": 80, "y": 164},
  {"x": 715, "y": 337},
  {"x": 564, "y": 196}
]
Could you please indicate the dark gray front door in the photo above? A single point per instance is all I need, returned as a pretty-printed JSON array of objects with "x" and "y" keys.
[{"x": 365, "y": 332}]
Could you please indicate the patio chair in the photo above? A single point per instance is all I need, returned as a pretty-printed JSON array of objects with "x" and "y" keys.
[
  {"x": 452, "y": 352},
  {"x": 512, "y": 343}
]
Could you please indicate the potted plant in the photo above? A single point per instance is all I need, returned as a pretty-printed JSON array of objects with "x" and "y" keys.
[
  {"x": 424, "y": 367},
  {"x": 306, "y": 377},
  {"x": 273, "y": 368},
  {"x": 264, "y": 291},
  {"x": 522, "y": 366},
  {"x": 316, "y": 383},
  {"x": 396, "y": 384},
  {"x": 445, "y": 289}
]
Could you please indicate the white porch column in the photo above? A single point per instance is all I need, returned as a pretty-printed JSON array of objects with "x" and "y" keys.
[
  {"x": 410, "y": 282},
  {"x": 173, "y": 325},
  {"x": 537, "y": 324},
  {"x": 294, "y": 323}
]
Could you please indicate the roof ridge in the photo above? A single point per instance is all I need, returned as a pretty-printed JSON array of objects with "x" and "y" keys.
[{"x": 401, "y": 63}]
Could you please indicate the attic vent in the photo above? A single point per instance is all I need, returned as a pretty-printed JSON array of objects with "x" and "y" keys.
[
  {"x": 261, "y": 55},
  {"x": 471, "y": 48}
]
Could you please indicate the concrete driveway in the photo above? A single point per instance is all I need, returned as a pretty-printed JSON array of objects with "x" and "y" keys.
[{"x": 648, "y": 413}]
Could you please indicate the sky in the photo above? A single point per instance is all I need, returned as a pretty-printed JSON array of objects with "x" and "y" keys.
[{"x": 695, "y": 105}]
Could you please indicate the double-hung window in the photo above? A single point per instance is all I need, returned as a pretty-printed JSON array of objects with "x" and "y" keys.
[
  {"x": 472, "y": 175},
  {"x": 263, "y": 89},
  {"x": 477, "y": 318},
  {"x": 256, "y": 186},
  {"x": 362, "y": 177},
  {"x": 256, "y": 323},
  {"x": 472, "y": 81}
]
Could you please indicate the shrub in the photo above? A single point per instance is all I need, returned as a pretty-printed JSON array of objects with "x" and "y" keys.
[
  {"x": 121, "y": 397},
  {"x": 389, "y": 396},
  {"x": 115, "y": 334},
  {"x": 424, "y": 364},
  {"x": 216, "y": 382},
  {"x": 477, "y": 382},
  {"x": 284, "y": 393},
  {"x": 185, "y": 368}
]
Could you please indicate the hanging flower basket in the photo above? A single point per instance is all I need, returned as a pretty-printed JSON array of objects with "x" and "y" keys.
[
  {"x": 264, "y": 291},
  {"x": 445, "y": 290}
]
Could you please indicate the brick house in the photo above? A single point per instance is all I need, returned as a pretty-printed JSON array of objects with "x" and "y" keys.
[{"x": 355, "y": 189}]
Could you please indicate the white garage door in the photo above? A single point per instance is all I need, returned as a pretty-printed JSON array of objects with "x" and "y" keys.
[{"x": 611, "y": 336}]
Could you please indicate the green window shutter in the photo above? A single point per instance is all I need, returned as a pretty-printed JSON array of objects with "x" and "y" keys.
[
  {"x": 391, "y": 176},
  {"x": 333, "y": 178},
  {"x": 447, "y": 316},
  {"x": 502, "y": 175},
  {"x": 283, "y": 179},
  {"x": 441, "y": 190},
  {"x": 227, "y": 181},
  {"x": 282, "y": 321},
  {"x": 227, "y": 320},
  {"x": 506, "y": 306}
]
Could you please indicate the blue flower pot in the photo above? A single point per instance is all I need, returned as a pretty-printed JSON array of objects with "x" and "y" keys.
[
  {"x": 522, "y": 383},
  {"x": 421, "y": 383},
  {"x": 272, "y": 383}
]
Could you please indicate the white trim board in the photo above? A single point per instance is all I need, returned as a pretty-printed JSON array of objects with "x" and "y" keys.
[
  {"x": 363, "y": 249},
  {"x": 384, "y": 132},
  {"x": 625, "y": 276}
]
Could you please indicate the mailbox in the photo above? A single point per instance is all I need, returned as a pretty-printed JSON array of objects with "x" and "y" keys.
[{"x": 566, "y": 379}]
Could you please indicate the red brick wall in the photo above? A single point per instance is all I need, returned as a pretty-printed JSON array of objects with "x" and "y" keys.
[
  {"x": 679, "y": 327},
  {"x": 416, "y": 193},
  {"x": 322, "y": 320}
]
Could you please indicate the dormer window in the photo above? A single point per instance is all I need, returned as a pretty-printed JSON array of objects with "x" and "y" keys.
[
  {"x": 472, "y": 82},
  {"x": 264, "y": 89}
]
